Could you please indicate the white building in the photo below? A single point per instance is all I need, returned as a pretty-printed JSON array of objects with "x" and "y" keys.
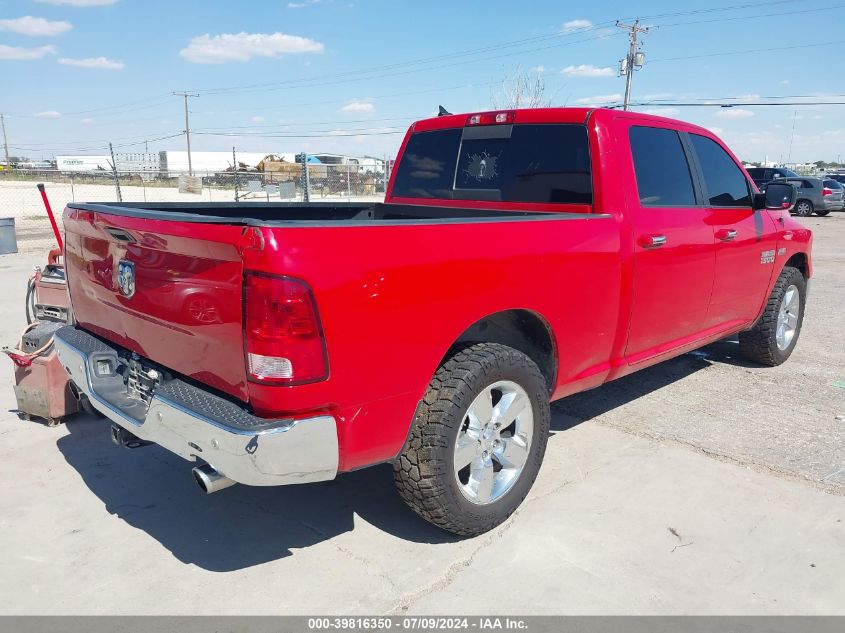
[{"x": 83, "y": 163}]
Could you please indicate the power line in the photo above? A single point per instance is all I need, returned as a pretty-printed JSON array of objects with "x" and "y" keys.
[{"x": 748, "y": 50}]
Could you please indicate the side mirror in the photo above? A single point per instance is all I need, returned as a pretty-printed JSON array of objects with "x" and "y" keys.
[{"x": 779, "y": 196}]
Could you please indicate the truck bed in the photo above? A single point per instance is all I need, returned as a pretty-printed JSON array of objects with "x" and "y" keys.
[{"x": 311, "y": 214}]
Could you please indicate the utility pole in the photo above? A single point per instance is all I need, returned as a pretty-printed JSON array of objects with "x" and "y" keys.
[
  {"x": 187, "y": 127},
  {"x": 5, "y": 141},
  {"x": 114, "y": 174},
  {"x": 635, "y": 58}
]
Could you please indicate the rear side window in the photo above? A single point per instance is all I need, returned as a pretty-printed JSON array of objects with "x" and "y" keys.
[
  {"x": 832, "y": 184},
  {"x": 725, "y": 183},
  {"x": 523, "y": 163},
  {"x": 663, "y": 175}
]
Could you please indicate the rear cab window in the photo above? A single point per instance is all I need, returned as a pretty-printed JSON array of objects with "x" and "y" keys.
[{"x": 532, "y": 163}]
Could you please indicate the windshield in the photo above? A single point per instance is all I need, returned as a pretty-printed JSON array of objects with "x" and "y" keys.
[{"x": 519, "y": 163}]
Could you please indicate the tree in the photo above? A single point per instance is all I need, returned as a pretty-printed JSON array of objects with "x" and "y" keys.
[{"x": 520, "y": 89}]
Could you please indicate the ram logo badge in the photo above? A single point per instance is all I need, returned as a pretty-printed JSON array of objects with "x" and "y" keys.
[{"x": 126, "y": 278}]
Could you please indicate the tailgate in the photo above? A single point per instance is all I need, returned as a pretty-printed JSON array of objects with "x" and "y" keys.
[{"x": 170, "y": 291}]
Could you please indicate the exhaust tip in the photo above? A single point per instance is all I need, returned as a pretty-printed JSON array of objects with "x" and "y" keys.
[{"x": 209, "y": 480}]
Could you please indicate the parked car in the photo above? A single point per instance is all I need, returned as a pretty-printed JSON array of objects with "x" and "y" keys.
[
  {"x": 834, "y": 194},
  {"x": 810, "y": 196},
  {"x": 519, "y": 257},
  {"x": 763, "y": 175},
  {"x": 840, "y": 178}
]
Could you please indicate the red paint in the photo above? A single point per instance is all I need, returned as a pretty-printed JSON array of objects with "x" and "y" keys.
[
  {"x": 50, "y": 215},
  {"x": 393, "y": 299}
]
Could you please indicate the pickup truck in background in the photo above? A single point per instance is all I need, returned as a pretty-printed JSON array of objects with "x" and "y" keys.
[{"x": 519, "y": 257}]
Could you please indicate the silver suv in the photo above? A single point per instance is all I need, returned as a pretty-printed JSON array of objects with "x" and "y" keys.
[
  {"x": 834, "y": 194},
  {"x": 810, "y": 196}
]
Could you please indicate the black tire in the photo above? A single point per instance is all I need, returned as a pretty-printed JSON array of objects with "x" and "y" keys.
[
  {"x": 759, "y": 344},
  {"x": 424, "y": 472},
  {"x": 822, "y": 213},
  {"x": 803, "y": 208}
]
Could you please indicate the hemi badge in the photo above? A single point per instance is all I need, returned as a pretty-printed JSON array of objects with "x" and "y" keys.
[{"x": 767, "y": 257}]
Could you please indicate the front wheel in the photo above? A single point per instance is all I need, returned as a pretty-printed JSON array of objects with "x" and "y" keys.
[
  {"x": 803, "y": 208},
  {"x": 772, "y": 339},
  {"x": 477, "y": 441}
]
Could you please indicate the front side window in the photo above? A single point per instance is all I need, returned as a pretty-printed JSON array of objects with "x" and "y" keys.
[
  {"x": 725, "y": 183},
  {"x": 663, "y": 174}
]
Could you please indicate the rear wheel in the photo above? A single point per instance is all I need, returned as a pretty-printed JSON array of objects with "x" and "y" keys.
[
  {"x": 803, "y": 208},
  {"x": 772, "y": 339},
  {"x": 477, "y": 441}
]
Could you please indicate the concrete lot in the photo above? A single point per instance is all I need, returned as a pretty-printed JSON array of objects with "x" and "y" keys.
[{"x": 703, "y": 485}]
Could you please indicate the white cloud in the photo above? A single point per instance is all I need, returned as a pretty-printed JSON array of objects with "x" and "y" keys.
[
  {"x": 35, "y": 27},
  {"x": 576, "y": 25},
  {"x": 257, "y": 119},
  {"x": 538, "y": 69},
  {"x": 49, "y": 114},
  {"x": 360, "y": 106},
  {"x": 588, "y": 70},
  {"x": 21, "y": 53},
  {"x": 751, "y": 97},
  {"x": 303, "y": 4},
  {"x": 600, "y": 99},
  {"x": 734, "y": 113},
  {"x": 784, "y": 82},
  {"x": 663, "y": 111},
  {"x": 241, "y": 47},
  {"x": 716, "y": 130},
  {"x": 86, "y": 120},
  {"x": 79, "y": 3},
  {"x": 103, "y": 63}
]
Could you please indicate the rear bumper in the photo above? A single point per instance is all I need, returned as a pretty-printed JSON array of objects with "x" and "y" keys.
[
  {"x": 834, "y": 205},
  {"x": 197, "y": 424}
]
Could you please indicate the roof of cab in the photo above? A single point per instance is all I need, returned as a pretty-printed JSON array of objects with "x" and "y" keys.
[{"x": 552, "y": 115}]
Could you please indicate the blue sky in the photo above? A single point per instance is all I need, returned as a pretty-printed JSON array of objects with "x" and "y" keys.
[{"x": 349, "y": 76}]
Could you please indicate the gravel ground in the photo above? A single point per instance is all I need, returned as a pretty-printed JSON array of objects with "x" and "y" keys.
[{"x": 702, "y": 485}]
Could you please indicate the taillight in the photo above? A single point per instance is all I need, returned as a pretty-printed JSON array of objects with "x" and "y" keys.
[
  {"x": 827, "y": 192},
  {"x": 283, "y": 335},
  {"x": 491, "y": 118}
]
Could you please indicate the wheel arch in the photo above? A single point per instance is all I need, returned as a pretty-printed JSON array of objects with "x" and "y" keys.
[
  {"x": 800, "y": 261},
  {"x": 521, "y": 329}
]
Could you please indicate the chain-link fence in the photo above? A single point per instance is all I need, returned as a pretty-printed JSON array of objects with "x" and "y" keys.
[{"x": 364, "y": 180}]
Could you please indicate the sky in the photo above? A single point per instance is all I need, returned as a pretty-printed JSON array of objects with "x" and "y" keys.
[{"x": 350, "y": 76}]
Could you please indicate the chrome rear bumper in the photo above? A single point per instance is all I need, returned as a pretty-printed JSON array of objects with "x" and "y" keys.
[{"x": 197, "y": 424}]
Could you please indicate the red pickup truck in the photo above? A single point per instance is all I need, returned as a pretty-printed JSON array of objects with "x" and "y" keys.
[{"x": 519, "y": 257}]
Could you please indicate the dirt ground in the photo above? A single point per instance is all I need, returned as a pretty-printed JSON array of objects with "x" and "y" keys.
[{"x": 703, "y": 485}]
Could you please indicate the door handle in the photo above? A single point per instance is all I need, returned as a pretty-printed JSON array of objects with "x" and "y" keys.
[
  {"x": 726, "y": 235},
  {"x": 652, "y": 241}
]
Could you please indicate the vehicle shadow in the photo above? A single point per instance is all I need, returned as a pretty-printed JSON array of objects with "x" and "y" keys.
[
  {"x": 153, "y": 490},
  {"x": 583, "y": 407}
]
